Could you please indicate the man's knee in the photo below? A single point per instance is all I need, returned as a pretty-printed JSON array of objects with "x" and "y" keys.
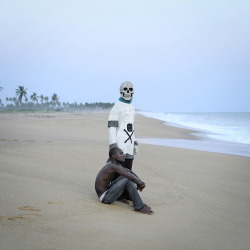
[
  {"x": 131, "y": 184},
  {"x": 123, "y": 180}
]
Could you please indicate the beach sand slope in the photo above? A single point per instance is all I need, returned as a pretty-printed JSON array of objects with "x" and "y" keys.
[{"x": 48, "y": 165}]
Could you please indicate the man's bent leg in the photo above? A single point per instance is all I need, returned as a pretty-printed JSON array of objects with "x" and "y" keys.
[
  {"x": 117, "y": 187},
  {"x": 134, "y": 195},
  {"x": 127, "y": 164}
]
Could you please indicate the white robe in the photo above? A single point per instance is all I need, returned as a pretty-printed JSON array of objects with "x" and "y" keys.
[{"x": 121, "y": 128}]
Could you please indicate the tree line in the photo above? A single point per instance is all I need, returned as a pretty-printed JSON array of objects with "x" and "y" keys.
[{"x": 22, "y": 102}]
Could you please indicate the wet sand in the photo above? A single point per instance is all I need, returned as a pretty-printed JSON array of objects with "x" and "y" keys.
[{"x": 48, "y": 164}]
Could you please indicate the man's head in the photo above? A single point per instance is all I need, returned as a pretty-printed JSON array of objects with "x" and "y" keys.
[
  {"x": 127, "y": 90},
  {"x": 116, "y": 154}
]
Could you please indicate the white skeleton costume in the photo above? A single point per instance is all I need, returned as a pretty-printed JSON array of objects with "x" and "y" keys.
[{"x": 121, "y": 122}]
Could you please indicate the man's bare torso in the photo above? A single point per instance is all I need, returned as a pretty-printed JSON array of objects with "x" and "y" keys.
[
  {"x": 103, "y": 178},
  {"x": 107, "y": 173}
]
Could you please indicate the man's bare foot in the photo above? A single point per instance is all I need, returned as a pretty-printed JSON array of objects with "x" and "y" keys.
[
  {"x": 144, "y": 210},
  {"x": 148, "y": 206}
]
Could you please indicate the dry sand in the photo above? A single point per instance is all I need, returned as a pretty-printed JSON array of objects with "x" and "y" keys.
[{"x": 48, "y": 164}]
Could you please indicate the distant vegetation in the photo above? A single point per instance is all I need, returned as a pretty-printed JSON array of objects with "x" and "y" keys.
[{"x": 21, "y": 102}]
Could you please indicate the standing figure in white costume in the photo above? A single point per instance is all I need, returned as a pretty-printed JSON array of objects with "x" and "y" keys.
[{"x": 121, "y": 124}]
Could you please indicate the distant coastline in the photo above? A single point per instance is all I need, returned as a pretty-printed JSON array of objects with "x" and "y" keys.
[{"x": 22, "y": 102}]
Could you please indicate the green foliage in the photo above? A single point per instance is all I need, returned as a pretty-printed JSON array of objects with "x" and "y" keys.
[
  {"x": 21, "y": 92},
  {"x": 34, "y": 97},
  {"x": 45, "y": 105}
]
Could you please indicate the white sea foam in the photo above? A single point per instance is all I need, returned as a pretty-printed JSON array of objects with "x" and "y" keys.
[{"x": 232, "y": 129}]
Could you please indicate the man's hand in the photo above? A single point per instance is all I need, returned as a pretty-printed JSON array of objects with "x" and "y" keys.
[
  {"x": 136, "y": 150},
  {"x": 141, "y": 187}
]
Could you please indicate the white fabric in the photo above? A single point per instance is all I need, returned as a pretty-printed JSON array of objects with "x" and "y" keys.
[
  {"x": 124, "y": 113},
  {"x": 102, "y": 196}
]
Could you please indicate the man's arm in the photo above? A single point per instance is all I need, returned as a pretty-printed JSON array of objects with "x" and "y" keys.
[
  {"x": 127, "y": 173},
  {"x": 134, "y": 174},
  {"x": 140, "y": 187}
]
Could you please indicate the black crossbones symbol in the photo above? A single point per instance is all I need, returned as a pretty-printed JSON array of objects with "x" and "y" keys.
[{"x": 129, "y": 136}]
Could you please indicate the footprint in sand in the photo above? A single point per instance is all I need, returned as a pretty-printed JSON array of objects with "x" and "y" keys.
[
  {"x": 11, "y": 218},
  {"x": 28, "y": 208},
  {"x": 22, "y": 217},
  {"x": 37, "y": 215},
  {"x": 14, "y": 218},
  {"x": 59, "y": 202}
]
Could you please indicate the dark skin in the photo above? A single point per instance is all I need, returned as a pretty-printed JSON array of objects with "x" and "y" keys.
[{"x": 107, "y": 173}]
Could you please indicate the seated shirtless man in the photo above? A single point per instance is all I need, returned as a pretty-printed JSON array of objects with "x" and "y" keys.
[{"x": 109, "y": 191}]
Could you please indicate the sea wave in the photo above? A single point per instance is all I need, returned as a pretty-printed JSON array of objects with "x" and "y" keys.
[{"x": 232, "y": 127}]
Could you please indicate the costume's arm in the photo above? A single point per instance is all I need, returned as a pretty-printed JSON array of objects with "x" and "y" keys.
[
  {"x": 112, "y": 136},
  {"x": 113, "y": 126}
]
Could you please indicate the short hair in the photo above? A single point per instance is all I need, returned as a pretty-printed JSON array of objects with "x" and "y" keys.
[{"x": 113, "y": 151}]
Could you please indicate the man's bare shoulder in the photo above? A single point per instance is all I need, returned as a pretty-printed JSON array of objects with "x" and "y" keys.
[{"x": 113, "y": 166}]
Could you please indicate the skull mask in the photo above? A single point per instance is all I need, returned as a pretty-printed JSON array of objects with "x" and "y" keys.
[{"x": 127, "y": 91}]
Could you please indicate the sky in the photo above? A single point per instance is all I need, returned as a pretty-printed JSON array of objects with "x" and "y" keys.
[{"x": 181, "y": 55}]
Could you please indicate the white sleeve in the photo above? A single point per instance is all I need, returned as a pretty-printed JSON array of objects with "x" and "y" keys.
[
  {"x": 113, "y": 136},
  {"x": 113, "y": 125},
  {"x": 114, "y": 113}
]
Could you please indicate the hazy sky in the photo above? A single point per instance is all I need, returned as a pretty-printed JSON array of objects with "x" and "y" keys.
[{"x": 181, "y": 55}]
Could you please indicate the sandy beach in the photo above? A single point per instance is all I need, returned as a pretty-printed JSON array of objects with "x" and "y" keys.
[{"x": 48, "y": 165}]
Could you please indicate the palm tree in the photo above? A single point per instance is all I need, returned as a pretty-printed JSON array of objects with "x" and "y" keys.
[
  {"x": 55, "y": 99},
  {"x": 21, "y": 92},
  {"x": 8, "y": 99},
  {"x": 34, "y": 97},
  {"x": 42, "y": 98}
]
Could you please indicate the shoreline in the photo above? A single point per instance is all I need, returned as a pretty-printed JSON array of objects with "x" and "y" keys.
[
  {"x": 197, "y": 140},
  {"x": 49, "y": 163},
  {"x": 213, "y": 146},
  {"x": 224, "y": 126},
  {"x": 167, "y": 134}
]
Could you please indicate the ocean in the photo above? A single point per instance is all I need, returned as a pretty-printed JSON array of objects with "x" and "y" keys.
[{"x": 219, "y": 132}]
